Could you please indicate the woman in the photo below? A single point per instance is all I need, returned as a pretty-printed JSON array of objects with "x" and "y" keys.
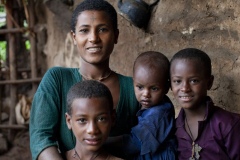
[{"x": 94, "y": 31}]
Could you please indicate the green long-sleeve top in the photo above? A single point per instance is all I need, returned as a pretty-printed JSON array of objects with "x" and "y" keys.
[{"x": 47, "y": 121}]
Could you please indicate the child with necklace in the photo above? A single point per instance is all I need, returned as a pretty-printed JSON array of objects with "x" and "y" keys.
[
  {"x": 204, "y": 131},
  {"x": 90, "y": 115},
  {"x": 94, "y": 31}
]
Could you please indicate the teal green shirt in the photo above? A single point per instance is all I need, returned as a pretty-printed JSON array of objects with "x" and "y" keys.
[{"x": 47, "y": 121}]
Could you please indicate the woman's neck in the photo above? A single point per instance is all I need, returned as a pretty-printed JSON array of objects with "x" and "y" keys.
[{"x": 95, "y": 72}]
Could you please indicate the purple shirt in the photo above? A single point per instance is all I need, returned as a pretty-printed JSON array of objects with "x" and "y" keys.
[{"x": 218, "y": 135}]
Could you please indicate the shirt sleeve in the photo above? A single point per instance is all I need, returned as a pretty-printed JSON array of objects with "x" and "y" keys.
[
  {"x": 44, "y": 116},
  {"x": 232, "y": 139}
]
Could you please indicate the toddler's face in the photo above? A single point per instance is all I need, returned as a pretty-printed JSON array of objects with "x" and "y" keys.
[
  {"x": 189, "y": 83},
  {"x": 91, "y": 122},
  {"x": 149, "y": 85}
]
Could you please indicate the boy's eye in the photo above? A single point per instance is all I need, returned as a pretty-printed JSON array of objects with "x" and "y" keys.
[
  {"x": 82, "y": 120},
  {"x": 139, "y": 87},
  {"x": 194, "y": 81},
  {"x": 176, "y": 81},
  {"x": 102, "y": 119}
]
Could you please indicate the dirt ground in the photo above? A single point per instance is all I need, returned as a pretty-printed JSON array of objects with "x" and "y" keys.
[{"x": 18, "y": 149}]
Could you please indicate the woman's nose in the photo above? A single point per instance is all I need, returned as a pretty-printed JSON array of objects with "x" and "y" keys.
[{"x": 93, "y": 37}]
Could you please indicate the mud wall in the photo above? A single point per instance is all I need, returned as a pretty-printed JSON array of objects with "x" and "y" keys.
[{"x": 210, "y": 25}]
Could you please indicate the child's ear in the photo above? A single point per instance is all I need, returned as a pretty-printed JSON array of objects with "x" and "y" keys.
[
  {"x": 68, "y": 120},
  {"x": 210, "y": 82},
  {"x": 113, "y": 117}
]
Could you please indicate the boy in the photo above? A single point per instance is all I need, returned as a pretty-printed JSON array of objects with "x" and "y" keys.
[
  {"x": 90, "y": 116},
  {"x": 153, "y": 137},
  {"x": 204, "y": 131}
]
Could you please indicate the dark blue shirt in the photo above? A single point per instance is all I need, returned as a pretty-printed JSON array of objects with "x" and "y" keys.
[{"x": 153, "y": 137}]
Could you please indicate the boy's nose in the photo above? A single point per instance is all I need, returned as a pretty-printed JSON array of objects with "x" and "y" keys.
[
  {"x": 185, "y": 87},
  {"x": 92, "y": 128}
]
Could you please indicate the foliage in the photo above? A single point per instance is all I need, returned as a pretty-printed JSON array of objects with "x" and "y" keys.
[{"x": 3, "y": 45}]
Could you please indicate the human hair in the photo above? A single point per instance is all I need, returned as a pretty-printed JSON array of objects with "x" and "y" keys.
[
  {"x": 197, "y": 55},
  {"x": 88, "y": 89},
  {"x": 97, "y": 5},
  {"x": 153, "y": 60}
]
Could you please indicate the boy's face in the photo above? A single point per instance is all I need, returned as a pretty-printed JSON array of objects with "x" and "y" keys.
[
  {"x": 91, "y": 122},
  {"x": 149, "y": 86},
  {"x": 189, "y": 83},
  {"x": 94, "y": 36}
]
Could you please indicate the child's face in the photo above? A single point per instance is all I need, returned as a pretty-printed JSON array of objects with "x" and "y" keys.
[
  {"x": 91, "y": 122},
  {"x": 94, "y": 36},
  {"x": 149, "y": 86},
  {"x": 189, "y": 83}
]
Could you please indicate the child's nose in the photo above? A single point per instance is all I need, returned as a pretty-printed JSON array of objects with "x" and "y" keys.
[
  {"x": 92, "y": 128},
  {"x": 185, "y": 87},
  {"x": 146, "y": 93}
]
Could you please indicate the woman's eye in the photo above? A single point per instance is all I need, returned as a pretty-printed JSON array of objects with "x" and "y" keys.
[
  {"x": 83, "y": 30},
  {"x": 103, "y": 29}
]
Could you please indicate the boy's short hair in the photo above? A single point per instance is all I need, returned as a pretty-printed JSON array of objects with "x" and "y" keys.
[
  {"x": 197, "y": 55},
  {"x": 155, "y": 60},
  {"x": 88, "y": 89},
  {"x": 98, "y": 5}
]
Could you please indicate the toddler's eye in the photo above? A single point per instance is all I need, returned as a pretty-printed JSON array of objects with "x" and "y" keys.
[
  {"x": 139, "y": 87},
  {"x": 154, "y": 88},
  {"x": 176, "y": 81}
]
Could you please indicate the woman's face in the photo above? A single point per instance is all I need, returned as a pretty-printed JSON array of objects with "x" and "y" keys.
[{"x": 94, "y": 36}]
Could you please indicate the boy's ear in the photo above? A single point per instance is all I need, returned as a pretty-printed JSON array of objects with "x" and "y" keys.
[
  {"x": 116, "y": 36},
  {"x": 210, "y": 83},
  {"x": 68, "y": 120},
  {"x": 167, "y": 86},
  {"x": 113, "y": 116}
]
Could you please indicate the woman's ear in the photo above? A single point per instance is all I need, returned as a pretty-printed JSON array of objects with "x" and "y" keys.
[
  {"x": 210, "y": 82},
  {"x": 68, "y": 120},
  {"x": 73, "y": 35},
  {"x": 116, "y": 36}
]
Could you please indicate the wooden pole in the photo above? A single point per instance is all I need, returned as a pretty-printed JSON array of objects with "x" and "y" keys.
[
  {"x": 33, "y": 49},
  {"x": 12, "y": 66}
]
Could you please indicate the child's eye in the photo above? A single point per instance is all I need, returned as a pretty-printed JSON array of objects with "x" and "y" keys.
[
  {"x": 82, "y": 120},
  {"x": 154, "y": 88},
  {"x": 102, "y": 119},
  {"x": 139, "y": 87},
  {"x": 176, "y": 81},
  {"x": 194, "y": 81}
]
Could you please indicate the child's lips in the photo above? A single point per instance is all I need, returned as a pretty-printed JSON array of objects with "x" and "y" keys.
[
  {"x": 145, "y": 102},
  {"x": 91, "y": 141},
  {"x": 186, "y": 98}
]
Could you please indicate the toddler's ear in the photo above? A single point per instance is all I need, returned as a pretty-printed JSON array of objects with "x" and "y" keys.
[
  {"x": 68, "y": 120},
  {"x": 210, "y": 83}
]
